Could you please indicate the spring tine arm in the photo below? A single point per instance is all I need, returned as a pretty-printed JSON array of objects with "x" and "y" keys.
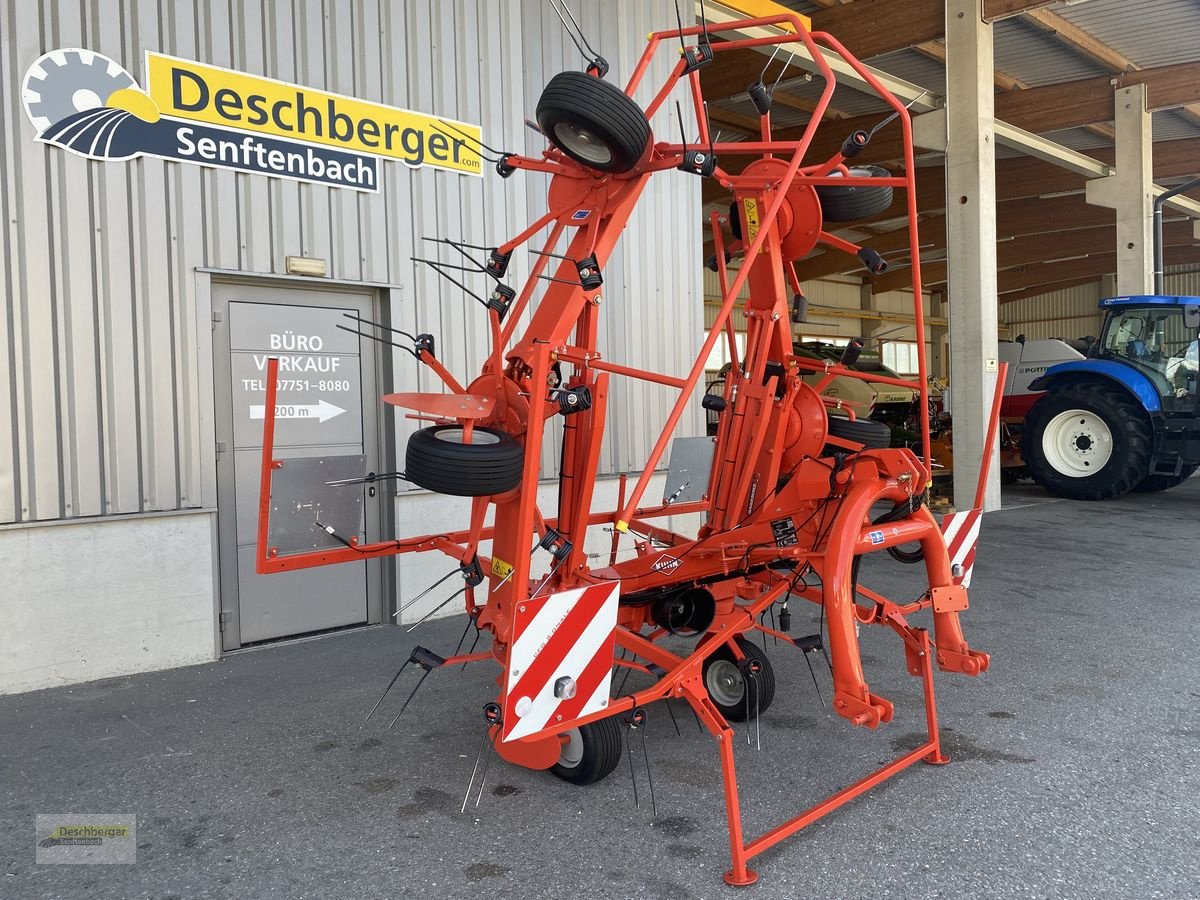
[
  {"x": 649, "y": 777},
  {"x": 463, "y": 638},
  {"x": 388, "y": 688},
  {"x": 632, "y": 775},
  {"x": 423, "y": 593},
  {"x": 491, "y": 751},
  {"x": 473, "y": 645},
  {"x": 671, "y": 713},
  {"x": 457, "y": 593},
  {"x": 814, "y": 678},
  {"x": 478, "y": 755},
  {"x": 420, "y": 681}
]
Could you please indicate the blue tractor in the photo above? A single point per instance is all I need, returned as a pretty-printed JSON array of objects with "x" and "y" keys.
[{"x": 1126, "y": 418}]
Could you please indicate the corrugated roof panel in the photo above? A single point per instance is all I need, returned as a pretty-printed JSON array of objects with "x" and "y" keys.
[
  {"x": 1037, "y": 57},
  {"x": 1079, "y": 139},
  {"x": 1157, "y": 33},
  {"x": 913, "y": 66},
  {"x": 1171, "y": 125},
  {"x": 845, "y": 98}
]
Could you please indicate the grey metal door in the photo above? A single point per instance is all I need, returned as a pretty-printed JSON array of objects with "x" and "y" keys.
[{"x": 326, "y": 402}]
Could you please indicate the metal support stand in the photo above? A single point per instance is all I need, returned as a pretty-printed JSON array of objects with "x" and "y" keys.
[{"x": 918, "y": 648}]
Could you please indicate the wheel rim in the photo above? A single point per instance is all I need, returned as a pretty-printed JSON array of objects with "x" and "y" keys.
[
  {"x": 724, "y": 683},
  {"x": 572, "y": 750},
  {"x": 455, "y": 436},
  {"x": 1077, "y": 443},
  {"x": 582, "y": 143}
]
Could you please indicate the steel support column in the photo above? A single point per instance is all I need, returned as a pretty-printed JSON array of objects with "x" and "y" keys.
[
  {"x": 971, "y": 243},
  {"x": 1130, "y": 191}
]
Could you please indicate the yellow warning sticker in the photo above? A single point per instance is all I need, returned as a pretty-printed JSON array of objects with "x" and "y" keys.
[
  {"x": 751, "y": 206},
  {"x": 500, "y": 568}
]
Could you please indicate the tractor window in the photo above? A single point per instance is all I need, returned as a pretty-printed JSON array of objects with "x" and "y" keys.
[{"x": 1160, "y": 342}]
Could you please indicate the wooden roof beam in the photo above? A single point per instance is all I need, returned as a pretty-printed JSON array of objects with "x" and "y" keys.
[
  {"x": 1093, "y": 48},
  {"x": 1004, "y": 81},
  {"x": 994, "y": 10},
  {"x": 874, "y": 27},
  {"x": 1086, "y": 101}
]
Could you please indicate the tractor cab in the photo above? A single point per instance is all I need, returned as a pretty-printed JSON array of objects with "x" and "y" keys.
[
  {"x": 1126, "y": 418},
  {"x": 1157, "y": 336}
]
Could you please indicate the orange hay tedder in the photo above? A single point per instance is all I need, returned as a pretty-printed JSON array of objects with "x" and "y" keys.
[{"x": 786, "y": 496}]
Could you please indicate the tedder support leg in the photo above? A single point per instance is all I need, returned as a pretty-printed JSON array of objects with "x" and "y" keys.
[
  {"x": 739, "y": 874},
  {"x": 935, "y": 756},
  {"x": 692, "y": 689}
]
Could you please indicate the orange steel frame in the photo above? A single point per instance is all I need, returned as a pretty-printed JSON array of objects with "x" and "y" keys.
[{"x": 770, "y": 460}]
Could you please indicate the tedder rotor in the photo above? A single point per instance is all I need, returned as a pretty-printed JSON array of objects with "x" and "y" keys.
[{"x": 786, "y": 503}]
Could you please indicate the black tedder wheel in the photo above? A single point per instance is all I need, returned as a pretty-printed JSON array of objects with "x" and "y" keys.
[
  {"x": 591, "y": 753},
  {"x": 438, "y": 460},
  {"x": 735, "y": 220},
  {"x": 593, "y": 122},
  {"x": 871, "y": 434},
  {"x": 855, "y": 201},
  {"x": 726, "y": 685}
]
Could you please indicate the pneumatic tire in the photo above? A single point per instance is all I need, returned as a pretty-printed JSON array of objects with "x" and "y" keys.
[
  {"x": 438, "y": 460},
  {"x": 853, "y": 201},
  {"x": 727, "y": 687},
  {"x": 1154, "y": 483},
  {"x": 871, "y": 434},
  {"x": 1087, "y": 442},
  {"x": 591, "y": 753},
  {"x": 595, "y": 123}
]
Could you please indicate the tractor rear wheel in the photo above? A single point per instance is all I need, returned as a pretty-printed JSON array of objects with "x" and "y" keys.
[
  {"x": 1087, "y": 442},
  {"x": 595, "y": 123},
  {"x": 1153, "y": 483},
  {"x": 727, "y": 687},
  {"x": 591, "y": 752},
  {"x": 438, "y": 459}
]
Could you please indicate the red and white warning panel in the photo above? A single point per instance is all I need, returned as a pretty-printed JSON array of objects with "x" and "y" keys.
[
  {"x": 560, "y": 661},
  {"x": 961, "y": 530}
]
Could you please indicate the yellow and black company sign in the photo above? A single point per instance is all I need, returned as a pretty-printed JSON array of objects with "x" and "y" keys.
[{"x": 193, "y": 112}]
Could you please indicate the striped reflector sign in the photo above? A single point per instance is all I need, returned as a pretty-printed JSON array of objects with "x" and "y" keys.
[
  {"x": 961, "y": 531},
  {"x": 560, "y": 660}
]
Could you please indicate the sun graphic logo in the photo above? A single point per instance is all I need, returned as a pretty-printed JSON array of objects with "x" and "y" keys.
[{"x": 87, "y": 103}]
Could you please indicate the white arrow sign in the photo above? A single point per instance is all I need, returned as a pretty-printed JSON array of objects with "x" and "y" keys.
[{"x": 321, "y": 411}]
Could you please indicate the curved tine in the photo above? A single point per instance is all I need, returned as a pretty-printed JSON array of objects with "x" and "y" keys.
[
  {"x": 424, "y": 592},
  {"x": 582, "y": 36},
  {"x": 779, "y": 77},
  {"x": 767, "y": 65},
  {"x": 649, "y": 777}
]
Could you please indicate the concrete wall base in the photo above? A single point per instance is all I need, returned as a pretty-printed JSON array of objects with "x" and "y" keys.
[{"x": 94, "y": 599}]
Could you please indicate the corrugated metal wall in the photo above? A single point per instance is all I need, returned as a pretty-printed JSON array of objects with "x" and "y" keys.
[
  {"x": 1072, "y": 313},
  {"x": 1183, "y": 284},
  {"x": 100, "y": 401},
  {"x": 1069, "y": 313}
]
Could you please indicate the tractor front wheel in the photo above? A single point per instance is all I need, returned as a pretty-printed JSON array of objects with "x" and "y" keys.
[{"x": 1087, "y": 442}]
